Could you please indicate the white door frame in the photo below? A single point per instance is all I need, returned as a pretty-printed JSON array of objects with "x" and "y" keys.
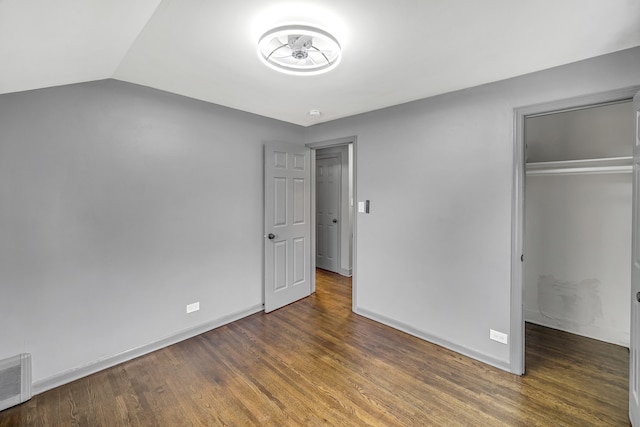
[
  {"x": 517, "y": 346},
  {"x": 634, "y": 342},
  {"x": 326, "y": 144}
]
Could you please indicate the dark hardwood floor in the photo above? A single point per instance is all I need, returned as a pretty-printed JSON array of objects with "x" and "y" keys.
[{"x": 314, "y": 362}]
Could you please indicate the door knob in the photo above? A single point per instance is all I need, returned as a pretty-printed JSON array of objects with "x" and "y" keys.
[
  {"x": 334, "y": 220},
  {"x": 271, "y": 236},
  {"x": 638, "y": 297}
]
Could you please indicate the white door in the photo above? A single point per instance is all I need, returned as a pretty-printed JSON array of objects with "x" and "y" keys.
[
  {"x": 328, "y": 183},
  {"x": 634, "y": 346},
  {"x": 287, "y": 224}
]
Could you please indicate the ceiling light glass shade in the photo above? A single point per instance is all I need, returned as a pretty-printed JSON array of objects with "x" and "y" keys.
[{"x": 299, "y": 49}]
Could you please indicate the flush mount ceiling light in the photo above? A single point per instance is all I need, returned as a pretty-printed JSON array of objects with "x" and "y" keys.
[{"x": 299, "y": 49}]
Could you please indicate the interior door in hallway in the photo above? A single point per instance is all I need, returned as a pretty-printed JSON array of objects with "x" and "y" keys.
[
  {"x": 287, "y": 224},
  {"x": 328, "y": 184}
]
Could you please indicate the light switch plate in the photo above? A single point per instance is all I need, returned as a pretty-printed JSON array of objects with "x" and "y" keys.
[{"x": 361, "y": 207}]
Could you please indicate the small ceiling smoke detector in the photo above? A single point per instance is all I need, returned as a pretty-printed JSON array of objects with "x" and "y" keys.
[
  {"x": 314, "y": 113},
  {"x": 299, "y": 49}
]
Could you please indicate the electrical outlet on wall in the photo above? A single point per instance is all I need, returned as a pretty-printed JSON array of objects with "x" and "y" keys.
[
  {"x": 498, "y": 336},
  {"x": 193, "y": 307}
]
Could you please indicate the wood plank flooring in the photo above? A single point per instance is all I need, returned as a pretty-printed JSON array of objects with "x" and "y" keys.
[{"x": 314, "y": 362}]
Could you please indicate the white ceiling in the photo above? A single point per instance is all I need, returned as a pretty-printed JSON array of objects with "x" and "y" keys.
[{"x": 394, "y": 51}]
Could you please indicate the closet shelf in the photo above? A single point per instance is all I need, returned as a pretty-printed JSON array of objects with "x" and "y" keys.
[{"x": 581, "y": 167}]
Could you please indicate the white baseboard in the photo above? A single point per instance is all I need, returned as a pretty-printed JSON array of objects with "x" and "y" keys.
[
  {"x": 345, "y": 272},
  {"x": 99, "y": 365},
  {"x": 500, "y": 364}
]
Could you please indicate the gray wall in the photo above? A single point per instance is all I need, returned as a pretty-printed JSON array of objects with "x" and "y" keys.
[
  {"x": 119, "y": 205},
  {"x": 434, "y": 255}
]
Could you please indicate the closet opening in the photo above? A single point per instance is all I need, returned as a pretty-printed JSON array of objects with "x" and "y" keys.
[{"x": 578, "y": 199}]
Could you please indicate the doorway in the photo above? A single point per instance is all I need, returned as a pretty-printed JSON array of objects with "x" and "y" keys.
[
  {"x": 334, "y": 209},
  {"x": 334, "y": 241},
  {"x": 578, "y": 199},
  {"x": 519, "y": 256}
]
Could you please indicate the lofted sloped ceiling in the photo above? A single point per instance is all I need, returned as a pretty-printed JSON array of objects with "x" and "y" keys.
[{"x": 394, "y": 51}]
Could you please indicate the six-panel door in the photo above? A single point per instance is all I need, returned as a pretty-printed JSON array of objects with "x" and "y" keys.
[{"x": 287, "y": 219}]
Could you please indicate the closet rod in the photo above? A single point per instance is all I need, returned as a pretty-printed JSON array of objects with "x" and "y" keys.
[{"x": 581, "y": 167}]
